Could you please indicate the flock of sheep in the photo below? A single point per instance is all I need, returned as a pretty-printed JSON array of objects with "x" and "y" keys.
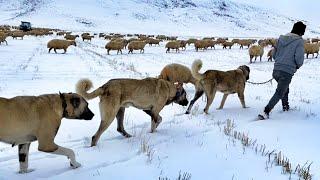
[{"x": 118, "y": 42}]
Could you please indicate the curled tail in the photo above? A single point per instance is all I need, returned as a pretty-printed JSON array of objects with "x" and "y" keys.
[
  {"x": 84, "y": 85},
  {"x": 196, "y": 66}
]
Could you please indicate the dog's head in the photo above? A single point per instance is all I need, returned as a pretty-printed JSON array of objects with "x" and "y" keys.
[
  {"x": 181, "y": 95},
  {"x": 75, "y": 107},
  {"x": 246, "y": 70}
]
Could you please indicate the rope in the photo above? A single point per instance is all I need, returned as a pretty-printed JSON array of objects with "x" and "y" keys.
[{"x": 270, "y": 80}]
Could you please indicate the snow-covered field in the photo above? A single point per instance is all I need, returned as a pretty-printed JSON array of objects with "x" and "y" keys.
[{"x": 193, "y": 144}]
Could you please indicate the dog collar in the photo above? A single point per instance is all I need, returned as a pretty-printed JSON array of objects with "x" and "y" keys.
[{"x": 64, "y": 105}]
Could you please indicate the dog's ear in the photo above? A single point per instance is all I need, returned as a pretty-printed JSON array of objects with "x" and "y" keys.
[
  {"x": 61, "y": 95},
  {"x": 75, "y": 102}
]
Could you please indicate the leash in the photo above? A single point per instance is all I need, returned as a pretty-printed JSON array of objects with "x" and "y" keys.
[{"x": 255, "y": 83}]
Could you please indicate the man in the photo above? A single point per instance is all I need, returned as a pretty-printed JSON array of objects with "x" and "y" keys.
[{"x": 289, "y": 56}]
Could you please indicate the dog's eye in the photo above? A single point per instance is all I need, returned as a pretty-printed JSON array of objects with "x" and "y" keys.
[{"x": 75, "y": 102}]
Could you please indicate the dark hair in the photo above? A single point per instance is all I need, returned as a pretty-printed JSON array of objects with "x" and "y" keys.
[{"x": 299, "y": 28}]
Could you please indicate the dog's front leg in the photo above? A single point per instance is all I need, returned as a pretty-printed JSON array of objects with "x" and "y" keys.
[
  {"x": 23, "y": 158},
  {"x": 69, "y": 153}
]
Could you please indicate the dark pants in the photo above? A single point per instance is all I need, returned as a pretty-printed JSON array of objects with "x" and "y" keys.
[{"x": 282, "y": 90}]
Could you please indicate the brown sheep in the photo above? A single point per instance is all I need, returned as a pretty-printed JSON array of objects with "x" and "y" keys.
[
  {"x": 87, "y": 37},
  {"x": 17, "y": 34},
  {"x": 255, "y": 51},
  {"x": 221, "y": 40},
  {"x": 191, "y": 41},
  {"x": 201, "y": 44},
  {"x": 115, "y": 45},
  {"x": 61, "y": 33},
  {"x": 227, "y": 44},
  {"x": 315, "y": 40},
  {"x": 172, "y": 45},
  {"x": 3, "y": 38},
  {"x": 311, "y": 48},
  {"x": 183, "y": 44},
  {"x": 269, "y": 55},
  {"x": 136, "y": 45},
  {"x": 161, "y": 37},
  {"x": 124, "y": 41},
  {"x": 235, "y": 41},
  {"x": 60, "y": 44},
  {"x": 245, "y": 42},
  {"x": 71, "y": 37},
  {"x": 152, "y": 41}
]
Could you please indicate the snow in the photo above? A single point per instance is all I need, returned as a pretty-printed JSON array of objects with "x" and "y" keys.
[
  {"x": 193, "y": 143},
  {"x": 170, "y": 17}
]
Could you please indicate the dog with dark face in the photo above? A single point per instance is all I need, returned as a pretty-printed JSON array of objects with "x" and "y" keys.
[
  {"x": 24, "y": 119},
  {"x": 227, "y": 82},
  {"x": 149, "y": 94}
]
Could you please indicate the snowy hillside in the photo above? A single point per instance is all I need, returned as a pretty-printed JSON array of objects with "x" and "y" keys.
[{"x": 171, "y": 17}]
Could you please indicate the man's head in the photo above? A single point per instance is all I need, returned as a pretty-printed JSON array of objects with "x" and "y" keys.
[{"x": 299, "y": 28}]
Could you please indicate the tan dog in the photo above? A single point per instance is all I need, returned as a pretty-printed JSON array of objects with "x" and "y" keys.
[
  {"x": 150, "y": 95},
  {"x": 24, "y": 119},
  {"x": 227, "y": 82},
  {"x": 179, "y": 73}
]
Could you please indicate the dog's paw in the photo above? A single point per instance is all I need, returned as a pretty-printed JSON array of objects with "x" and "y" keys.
[
  {"x": 23, "y": 171},
  {"x": 75, "y": 165},
  {"x": 219, "y": 108}
]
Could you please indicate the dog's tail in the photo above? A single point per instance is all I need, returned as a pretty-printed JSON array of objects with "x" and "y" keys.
[
  {"x": 196, "y": 66},
  {"x": 84, "y": 85}
]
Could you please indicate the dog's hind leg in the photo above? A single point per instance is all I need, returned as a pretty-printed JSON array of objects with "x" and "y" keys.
[
  {"x": 108, "y": 109},
  {"x": 23, "y": 157},
  {"x": 198, "y": 94},
  {"x": 223, "y": 101},
  {"x": 210, "y": 93},
  {"x": 120, "y": 117}
]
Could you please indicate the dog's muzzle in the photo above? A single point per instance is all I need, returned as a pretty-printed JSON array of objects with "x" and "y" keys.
[
  {"x": 184, "y": 102},
  {"x": 87, "y": 114}
]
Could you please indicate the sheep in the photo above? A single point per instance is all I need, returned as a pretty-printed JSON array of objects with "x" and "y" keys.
[
  {"x": 60, "y": 44},
  {"x": 124, "y": 41},
  {"x": 87, "y": 37},
  {"x": 61, "y": 33},
  {"x": 221, "y": 40},
  {"x": 161, "y": 37},
  {"x": 136, "y": 45},
  {"x": 311, "y": 48},
  {"x": 183, "y": 44},
  {"x": 255, "y": 51},
  {"x": 115, "y": 45},
  {"x": 172, "y": 45},
  {"x": 227, "y": 44},
  {"x": 152, "y": 41},
  {"x": 245, "y": 42},
  {"x": 172, "y": 38},
  {"x": 269, "y": 55},
  {"x": 315, "y": 40},
  {"x": 235, "y": 41},
  {"x": 17, "y": 34},
  {"x": 3, "y": 38},
  {"x": 201, "y": 44},
  {"x": 101, "y": 35},
  {"x": 191, "y": 41},
  {"x": 71, "y": 37}
]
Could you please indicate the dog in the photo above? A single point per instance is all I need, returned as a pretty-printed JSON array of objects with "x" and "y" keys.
[
  {"x": 227, "y": 82},
  {"x": 24, "y": 119},
  {"x": 149, "y": 94}
]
